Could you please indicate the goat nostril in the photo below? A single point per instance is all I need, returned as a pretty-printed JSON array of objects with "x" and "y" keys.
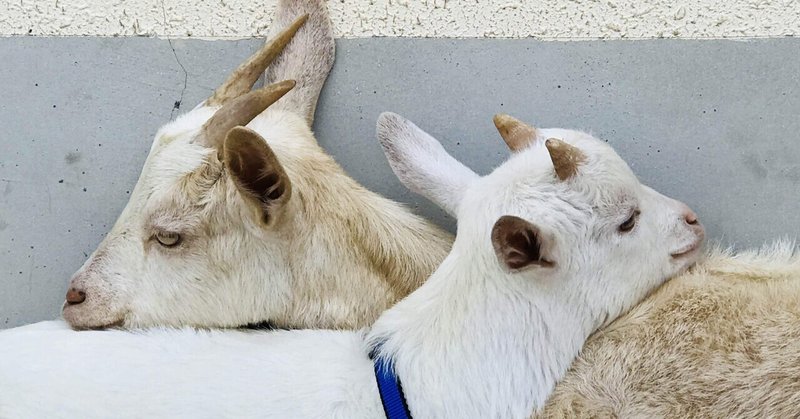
[
  {"x": 690, "y": 218},
  {"x": 75, "y": 296}
]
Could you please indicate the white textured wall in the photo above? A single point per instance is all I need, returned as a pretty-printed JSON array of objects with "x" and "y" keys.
[{"x": 548, "y": 19}]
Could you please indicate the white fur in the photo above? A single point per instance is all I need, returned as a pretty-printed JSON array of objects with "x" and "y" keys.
[
  {"x": 474, "y": 341},
  {"x": 50, "y": 371},
  {"x": 434, "y": 175}
]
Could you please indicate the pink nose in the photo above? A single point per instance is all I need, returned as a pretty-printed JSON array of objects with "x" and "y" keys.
[
  {"x": 75, "y": 296},
  {"x": 689, "y": 216}
]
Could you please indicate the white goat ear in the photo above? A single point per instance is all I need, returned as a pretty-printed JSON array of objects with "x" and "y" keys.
[
  {"x": 519, "y": 244},
  {"x": 256, "y": 171},
  {"x": 422, "y": 164}
]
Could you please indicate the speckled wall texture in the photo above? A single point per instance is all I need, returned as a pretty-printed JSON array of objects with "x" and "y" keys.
[{"x": 559, "y": 19}]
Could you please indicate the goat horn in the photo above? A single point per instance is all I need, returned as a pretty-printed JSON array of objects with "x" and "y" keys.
[
  {"x": 244, "y": 77},
  {"x": 240, "y": 111},
  {"x": 566, "y": 158},
  {"x": 517, "y": 134}
]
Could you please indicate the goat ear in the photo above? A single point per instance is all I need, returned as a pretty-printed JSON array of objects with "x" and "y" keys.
[
  {"x": 519, "y": 244},
  {"x": 256, "y": 171},
  {"x": 422, "y": 164}
]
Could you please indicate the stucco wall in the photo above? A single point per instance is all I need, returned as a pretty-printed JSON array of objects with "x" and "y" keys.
[{"x": 561, "y": 19}]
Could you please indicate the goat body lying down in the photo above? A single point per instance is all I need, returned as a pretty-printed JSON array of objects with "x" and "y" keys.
[
  {"x": 720, "y": 341},
  {"x": 552, "y": 245}
]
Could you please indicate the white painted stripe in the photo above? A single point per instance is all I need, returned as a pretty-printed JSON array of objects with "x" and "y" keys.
[{"x": 546, "y": 19}]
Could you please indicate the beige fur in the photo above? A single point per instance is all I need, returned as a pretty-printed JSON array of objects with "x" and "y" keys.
[
  {"x": 378, "y": 252},
  {"x": 720, "y": 341}
]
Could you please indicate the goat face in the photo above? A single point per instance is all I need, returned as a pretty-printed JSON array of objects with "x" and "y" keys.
[
  {"x": 209, "y": 188},
  {"x": 167, "y": 260},
  {"x": 565, "y": 212},
  {"x": 615, "y": 238}
]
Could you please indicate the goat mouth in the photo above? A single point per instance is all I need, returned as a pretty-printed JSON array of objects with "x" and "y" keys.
[
  {"x": 688, "y": 250},
  {"x": 114, "y": 325},
  {"x": 262, "y": 325}
]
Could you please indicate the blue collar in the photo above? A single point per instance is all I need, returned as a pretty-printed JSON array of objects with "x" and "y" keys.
[{"x": 394, "y": 402}]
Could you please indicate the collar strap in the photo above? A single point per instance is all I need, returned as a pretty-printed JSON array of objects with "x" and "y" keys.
[{"x": 390, "y": 389}]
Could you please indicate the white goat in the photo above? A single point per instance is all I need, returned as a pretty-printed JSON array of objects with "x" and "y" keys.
[
  {"x": 222, "y": 233},
  {"x": 718, "y": 341},
  {"x": 552, "y": 245}
]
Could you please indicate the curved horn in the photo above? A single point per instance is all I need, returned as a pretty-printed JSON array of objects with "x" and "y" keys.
[
  {"x": 517, "y": 134},
  {"x": 240, "y": 111},
  {"x": 566, "y": 158},
  {"x": 244, "y": 77}
]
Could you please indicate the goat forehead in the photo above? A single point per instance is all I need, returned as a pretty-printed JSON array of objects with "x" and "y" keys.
[
  {"x": 171, "y": 164},
  {"x": 176, "y": 199},
  {"x": 590, "y": 145},
  {"x": 609, "y": 188},
  {"x": 605, "y": 176},
  {"x": 602, "y": 177},
  {"x": 174, "y": 183},
  {"x": 186, "y": 125}
]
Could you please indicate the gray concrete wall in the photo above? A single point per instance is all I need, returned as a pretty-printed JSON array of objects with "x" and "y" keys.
[{"x": 713, "y": 123}]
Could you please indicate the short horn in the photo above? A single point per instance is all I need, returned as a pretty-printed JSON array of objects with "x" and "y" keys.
[
  {"x": 566, "y": 158},
  {"x": 244, "y": 77},
  {"x": 517, "y": 134},
  {"x": 241, "y": 111}
]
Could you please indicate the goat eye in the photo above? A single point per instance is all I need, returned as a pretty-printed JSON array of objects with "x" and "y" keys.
[
  {"x": 629, "y": 223},
  {"x": 167, "y": 239}
]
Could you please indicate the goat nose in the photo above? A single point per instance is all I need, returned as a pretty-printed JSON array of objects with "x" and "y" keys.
[
  {"x": 75, "y": 296},
  {"x": 690, "y": 217}
]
